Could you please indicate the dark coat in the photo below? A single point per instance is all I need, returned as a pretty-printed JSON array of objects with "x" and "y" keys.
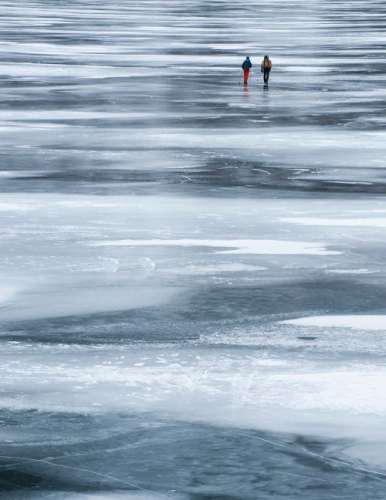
[{"x": 247, "y": 64}]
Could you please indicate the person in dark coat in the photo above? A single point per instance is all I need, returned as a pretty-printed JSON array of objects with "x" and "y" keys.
[
  {"x": 266, "y": 66},
  {"x": 246, "y": 66}
]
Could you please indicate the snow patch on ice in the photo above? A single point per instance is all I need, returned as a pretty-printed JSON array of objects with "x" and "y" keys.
[
  {"x": 79, "y": 300},
  {"x": 355, "y": 321},
  {"x": 127, "y": 495},
  {"x": 315, "y": 221},
  {"x": 220, "y": 268},
  {"x": 350, "y": 271},
  {"x": 6, "y": 294},
  {"x": 239, "y": 247},
  {"x": 16, "y": 207}
]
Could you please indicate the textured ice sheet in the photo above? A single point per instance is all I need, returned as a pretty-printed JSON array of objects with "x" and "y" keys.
[
  {"x": 126, "y": 120},
  {"x": 192, "y": 383}
]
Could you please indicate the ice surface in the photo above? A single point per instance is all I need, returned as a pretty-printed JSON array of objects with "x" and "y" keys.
[{"x": 192, "y": 273}]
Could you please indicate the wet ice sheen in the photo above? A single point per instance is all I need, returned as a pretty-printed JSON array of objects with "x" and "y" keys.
[{"x": 192, "y": 273}]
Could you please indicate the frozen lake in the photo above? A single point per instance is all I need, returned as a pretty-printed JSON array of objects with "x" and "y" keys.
[{"x": 192, "y": 293}]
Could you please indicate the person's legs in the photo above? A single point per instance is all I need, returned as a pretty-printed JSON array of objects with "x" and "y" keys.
[
  {"x": 266, "y": 75},
  {"x": 246, "y": 76}
]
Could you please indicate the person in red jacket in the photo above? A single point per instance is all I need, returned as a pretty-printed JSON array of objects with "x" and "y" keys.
[
  {"x": 246, "y": 66},
  {"x": 266, "y": 66}
]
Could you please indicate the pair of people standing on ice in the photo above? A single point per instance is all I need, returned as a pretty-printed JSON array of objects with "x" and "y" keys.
[{"x": 266, "y": 66}]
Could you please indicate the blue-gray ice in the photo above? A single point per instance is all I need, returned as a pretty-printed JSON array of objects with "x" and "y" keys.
[{"x": 192, "y": 272}]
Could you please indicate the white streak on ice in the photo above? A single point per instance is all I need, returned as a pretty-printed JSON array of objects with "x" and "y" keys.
[
  {"x": 350, "y": 271},
  {"x": 240, "y": 247},
  {"x": 217, "y": 268},
  {"x": 127, "y": 495},
  {"x": 54, "y": 303},
  {"x": 16, "y": 207},
  {"x": 6, "y": 294},
  {"x": 358, "y": 322},
  {"x": 315, "y": 221}
]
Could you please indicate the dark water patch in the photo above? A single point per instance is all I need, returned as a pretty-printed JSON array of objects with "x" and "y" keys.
[
  {"x": 152, "y": 325},
  {"x": 205, "y": 311},
  {"x": 292, "y": 297},
  {"x": 56, "y": 173},
  {"x": 14, "y": 480}
]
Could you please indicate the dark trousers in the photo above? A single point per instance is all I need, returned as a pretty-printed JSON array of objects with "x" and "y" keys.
[{"x": 266, "y": 74}]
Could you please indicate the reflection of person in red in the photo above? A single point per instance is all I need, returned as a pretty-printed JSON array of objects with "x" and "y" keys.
[{"x": 246, "y": 66}]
